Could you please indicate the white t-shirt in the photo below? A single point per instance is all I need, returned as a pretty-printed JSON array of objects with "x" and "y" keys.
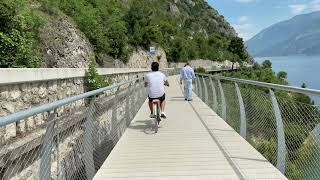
[{"x": 155, "y": 82}]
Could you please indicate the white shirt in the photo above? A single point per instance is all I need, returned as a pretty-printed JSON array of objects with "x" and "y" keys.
[{"x": 155, "y": 82}]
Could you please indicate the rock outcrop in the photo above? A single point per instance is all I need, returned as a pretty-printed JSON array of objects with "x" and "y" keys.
[
  {"x": 143, "y": 59},
  {"x": 64, "y": 46}
]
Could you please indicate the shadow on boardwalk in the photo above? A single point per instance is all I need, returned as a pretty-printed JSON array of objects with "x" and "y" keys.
[{"x": 144, "y": 126}]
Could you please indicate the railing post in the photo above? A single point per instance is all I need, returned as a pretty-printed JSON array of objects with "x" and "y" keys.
[
  {"x": 243, "y": 120},
  {"x": 128, "y": 105},
  {"x": 88, "y": 145},
  {"x": 214, "y": 95},
  {"x": 315, "y": 134},
  {"x": 114, "y": 118},
  {"x": 281, "y": 154},
  {"x": 45, "y": 163},
  {"x": 206, "y": 98},
  {"x": 223, "y": 101},
  {"x": 197, "y": 85},
  {"x": 199, "y": 88},
  {"x": 136, "y": 96},
  {"x": 141, "y": 89}
]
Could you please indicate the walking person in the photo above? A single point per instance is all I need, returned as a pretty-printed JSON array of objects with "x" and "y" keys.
[{"x": 187, "y": 75}]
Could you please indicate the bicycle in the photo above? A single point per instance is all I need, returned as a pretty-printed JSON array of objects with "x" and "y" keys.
[{"x": 157, "y": 113}]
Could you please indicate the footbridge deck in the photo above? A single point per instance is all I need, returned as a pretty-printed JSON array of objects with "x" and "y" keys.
[{"x": 192, "y": 143}]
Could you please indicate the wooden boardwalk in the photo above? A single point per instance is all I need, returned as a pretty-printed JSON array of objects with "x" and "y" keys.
[{"x": 193, "y": 143}]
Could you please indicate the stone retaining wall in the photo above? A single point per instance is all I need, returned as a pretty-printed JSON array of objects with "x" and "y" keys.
[
  {"x": 207, "y": 64},
  {"x": 21, "y": 89}
]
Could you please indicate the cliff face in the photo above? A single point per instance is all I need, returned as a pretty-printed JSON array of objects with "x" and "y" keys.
[
  {"x": 200, "y": 16},
  {"x": 63, "y": 45}
]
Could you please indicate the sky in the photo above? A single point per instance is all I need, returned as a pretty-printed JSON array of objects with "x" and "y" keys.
[{"x": 249, "y": 17}]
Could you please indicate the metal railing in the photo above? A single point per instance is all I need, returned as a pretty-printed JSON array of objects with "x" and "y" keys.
[
  {"x": 75, "y": 134},
  {"x": 279, "y": 121}
]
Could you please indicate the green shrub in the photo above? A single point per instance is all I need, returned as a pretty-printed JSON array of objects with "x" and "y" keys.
[
  {"x": 93, "y": 79},
  {"x": 19, "y": 30},
  {"x": 200, "y": 70}
]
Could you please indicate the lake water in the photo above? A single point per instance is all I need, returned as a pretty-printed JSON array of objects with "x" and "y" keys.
[{"x": 300, "y": 69}]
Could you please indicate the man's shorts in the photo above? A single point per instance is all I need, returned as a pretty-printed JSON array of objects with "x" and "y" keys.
[{"x": 162, "y": 98}]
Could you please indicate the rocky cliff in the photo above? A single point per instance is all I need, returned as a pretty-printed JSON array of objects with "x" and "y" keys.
[{"x": 64, "y": 45}]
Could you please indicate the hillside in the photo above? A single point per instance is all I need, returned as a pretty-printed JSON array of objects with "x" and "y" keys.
[
  {"x": 297, "y": 36},
  {"x": 54, "y": 33}
]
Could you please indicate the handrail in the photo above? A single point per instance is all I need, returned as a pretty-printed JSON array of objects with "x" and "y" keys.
[
  {"x": 47, "y": 107},
  {"x": 311, "y": 92}
]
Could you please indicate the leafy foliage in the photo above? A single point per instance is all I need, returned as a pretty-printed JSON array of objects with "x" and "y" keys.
[
  {"x": 200, "y": 70},
  {"x": 18, "y": 34},
  {"x": 93, "y": 79},
  {"x": 116, "y": 34},
  {"x": 236, "y": 47},
  {"x": 114, "y": 27},
  {"x": 118, "y": 26}
]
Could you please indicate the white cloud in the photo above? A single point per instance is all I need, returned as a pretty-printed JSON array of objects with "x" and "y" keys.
[
  {"x": 246, "y": 31},
  {"x": 314, "y": 5},
  {"x": 245, "y": 1},
  {"x": 305, "y": 8},
  {"x": 298, "y": 8},
  {"x": 243, "y": 19},
  {"x": 245, "y": 28}
]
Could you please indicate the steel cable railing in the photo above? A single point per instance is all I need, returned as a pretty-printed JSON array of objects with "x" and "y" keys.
[
  {"x": 75, "y": 136},
  {"x": 277, "y": 120}
]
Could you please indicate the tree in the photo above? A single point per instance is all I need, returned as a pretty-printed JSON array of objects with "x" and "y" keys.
[
  {"x": 282, "y": 75},
  {"x": 116, "y": 34},
  {"x": 139, "y": 26},
  {"x": 267, "y": 64},
  {"x": 236, "y": 46}
]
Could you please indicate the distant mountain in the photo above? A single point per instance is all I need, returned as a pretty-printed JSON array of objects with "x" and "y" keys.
[{"x": 297, "y": 36}]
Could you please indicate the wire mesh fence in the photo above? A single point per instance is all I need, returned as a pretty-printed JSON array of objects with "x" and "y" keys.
[
  {"x": 73, "y": 140},
  {"x": 282, "y": 123}
]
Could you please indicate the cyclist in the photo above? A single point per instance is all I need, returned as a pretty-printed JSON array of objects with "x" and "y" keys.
[{"x": 154, "y": 82}]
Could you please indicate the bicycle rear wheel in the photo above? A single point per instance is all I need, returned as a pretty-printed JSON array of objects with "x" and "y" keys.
[{"x": 157, "y": 119}]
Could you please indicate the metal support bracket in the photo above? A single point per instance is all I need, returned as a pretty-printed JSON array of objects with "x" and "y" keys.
[
  {"x": 88, "y": 138},
  {"x": 214, "y": 96},
  {"x": 206, "y": 98},
  {"x": 45, "y": 163},
  {"x": 223, "y": 102},
  {"x": 199, "y": 88},
  {"x": 281, "y": 154},
  {"x": 243, "y": 120},
  {"x": 128, "y": 107}
]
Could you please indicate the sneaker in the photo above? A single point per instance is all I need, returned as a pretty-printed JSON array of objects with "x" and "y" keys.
[
  {"x": 163, "y": 115},
  {"x": 190, "y": 100},
  {"x": 152, "y": 116}
]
